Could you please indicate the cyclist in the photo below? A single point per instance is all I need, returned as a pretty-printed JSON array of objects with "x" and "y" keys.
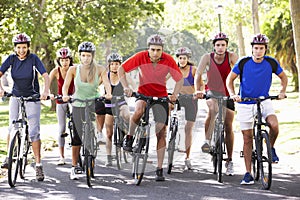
[
  {"x": 218, "y": 65},
  {"x": 153, "y": 65},
  {"x": 24, "y": 67},
  {"x": 256, "y": 82},
  {"x": 64, "y": 60},
  {"x": 87, "y": 77},
  {"x": 114, "y": 61},
  {"x": 190, "y": 104}
]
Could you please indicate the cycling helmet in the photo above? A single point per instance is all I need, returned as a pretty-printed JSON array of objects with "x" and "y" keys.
[
  {"x": 86, "y": 47},
  {"x": 183, "y": 51},
  {"x": 64, "y": 53},
  {"x": 260, "y": 39},
  {"x": 155, "y": 40},
  {"x": 21, "y": 38},
  {"x": 114, "y": 57},
  {"x": 220, "y": 36}
]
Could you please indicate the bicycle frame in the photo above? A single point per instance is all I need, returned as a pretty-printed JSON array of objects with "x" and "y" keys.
[
  {"x": 261, "y": 151},
  {"x": 218, "y": 147}
]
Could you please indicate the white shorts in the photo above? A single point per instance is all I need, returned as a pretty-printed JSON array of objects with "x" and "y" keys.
[{"x": 247, "y": 112}]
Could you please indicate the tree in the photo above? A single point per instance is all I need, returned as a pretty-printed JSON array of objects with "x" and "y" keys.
[
  {"x": 255, "y": 18},
  {"x": 295, "y": 16}
]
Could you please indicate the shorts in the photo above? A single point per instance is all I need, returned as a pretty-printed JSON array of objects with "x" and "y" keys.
[
  {"x": 228, "y": 104},
  {"x": 247, "y": 112},
  {"x": 160, "y": 112},
  {"x": 190, "y": 106},
  {"x": 100, "y": 108}
]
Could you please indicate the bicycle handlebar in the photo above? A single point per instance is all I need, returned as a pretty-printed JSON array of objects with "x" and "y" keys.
[
  {"x": 30, "y": 98},
  {"x": 261, "y": 98},
  {"x": 225, "y": 98},
  {"x": 141, "y": 96}
]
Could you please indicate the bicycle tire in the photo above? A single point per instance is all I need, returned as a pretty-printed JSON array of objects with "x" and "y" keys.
[
  {"x": 255, "y": 165},
  {"x": 171, "y": 147},
  {"x": 89, "y": 169},
  {"x": 213, "y": 151},
  {"x": 117, "y": 142},
  {"x": 265, "y": 161},
  {"x": 24, "y": 160},
  {"x": 13, "y": 161},
  {"x": 140, "y": 156},
  {"x": 220, "y": 157}
]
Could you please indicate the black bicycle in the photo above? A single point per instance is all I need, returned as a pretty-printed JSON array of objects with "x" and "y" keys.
[
  {"x": 142, "y": 138},
  {"x": 261, "y": 151},
  {"x": 119, "y": 131},
  {"x": 89, "y": 147},
  {"x": 20, "y": 144},
  {"x": 217, "y": 143}
]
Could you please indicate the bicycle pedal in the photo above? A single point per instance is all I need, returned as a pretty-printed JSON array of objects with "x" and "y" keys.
[{"x": 241, "y": 154}]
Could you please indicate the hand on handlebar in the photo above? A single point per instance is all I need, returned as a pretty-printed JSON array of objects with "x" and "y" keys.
[
  {"x": 65, "y": 98},
  {"x": 199, "y": 95},
  {"x": 128, "y": 92},
  {"x": 236, "y": 98}
]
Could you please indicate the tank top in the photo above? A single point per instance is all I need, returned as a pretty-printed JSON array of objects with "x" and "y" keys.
[
  {"x": 116, "y": 90},
  {"x": 189, "y": 80},
  {"x": 60, "y": 83},
  {"x": 85, "y": 90},
  {"x": 217, "y": 74}
]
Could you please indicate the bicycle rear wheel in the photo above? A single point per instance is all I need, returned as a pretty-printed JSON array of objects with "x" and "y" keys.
[
  {"x": 265, "y": 161},
  {"x": 140, "y": 156},
  {"x": 24, "y": 161},
  {"x": 13, "y": 159},
  {"x": 171, "y": 147}
]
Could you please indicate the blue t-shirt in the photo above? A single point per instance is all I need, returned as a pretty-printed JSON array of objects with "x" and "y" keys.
[
  {"x": 24, "y": 74},
  {"x": 256, "y": 79}
]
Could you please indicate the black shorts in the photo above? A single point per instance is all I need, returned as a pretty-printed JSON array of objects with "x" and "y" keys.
[
  {"x": 160, "y": 111},
  {"x": 190, "y": 107},
  {"x": 228, "y": 104},
  {"x": 100, "y": 108}
]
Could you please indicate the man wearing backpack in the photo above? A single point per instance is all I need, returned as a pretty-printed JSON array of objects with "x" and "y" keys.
[
  {"x": 256, "y": 78},
  {"x": 217, "y": 65}
]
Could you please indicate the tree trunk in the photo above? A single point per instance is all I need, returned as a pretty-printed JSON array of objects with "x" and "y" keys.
[
  {"x": 255, "y": 18},
  {"x": 239, "y": 31},
  {"x": 295, "y": 16}
]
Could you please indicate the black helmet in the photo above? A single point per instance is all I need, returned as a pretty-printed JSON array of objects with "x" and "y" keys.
[
  {"x": 114, "y": 57},
  {"x": 86, "y": 47}
]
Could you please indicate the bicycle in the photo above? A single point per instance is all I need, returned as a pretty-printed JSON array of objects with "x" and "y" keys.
[
  {"x": 261, "y": 151},
  {"x": 89, "y": 146},
  {"x": 118, "y": 131},
  {"x": 142, "y": 138},
  {"x": 217, "y": 143},
  {"x": 20, "y": 144}
]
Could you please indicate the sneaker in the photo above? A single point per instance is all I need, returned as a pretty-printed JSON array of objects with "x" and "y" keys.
[
  {"x": 229, "y": 168},
  {"x": 159, "y": 175},
  {"x": 127, "y": 143},
  {"x": 4, "y": 164},
  {"x": 39, "y": 174},
  {"x": 247, "y": 180},
  {"x": 205, "y": 148},
  {"x": 188, "y": 164},
  {"x": 73, "y": 175},
  {"x": 275, "y": 158},
  {"x": 61, "y": 161},
  {"x": 78, "y": 170},
  {"x": 108, "y": 161},
  {"x": 100, "y": 138}
]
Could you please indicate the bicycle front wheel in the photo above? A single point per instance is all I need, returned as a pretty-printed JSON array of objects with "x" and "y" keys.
[
  {"x": 89, "y": 169},
  {"x": 140, "y": 156},
  {"x": 24, "y": 159},
  {"x": 171, "y": 147},
  {"x": 13, "y": 159},
  {"x": 220, "y": 152},
  {"x": 265, "y": 161},
  {"x": 118, "y": 145}
]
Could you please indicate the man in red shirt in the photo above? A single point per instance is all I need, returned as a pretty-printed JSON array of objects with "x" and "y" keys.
[{"x": 154, "y": 65}]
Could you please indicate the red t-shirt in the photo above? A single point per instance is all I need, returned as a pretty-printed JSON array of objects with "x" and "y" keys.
[
  {"x": 153, "y": 78},
  {"x": 217, "y": 74}
]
